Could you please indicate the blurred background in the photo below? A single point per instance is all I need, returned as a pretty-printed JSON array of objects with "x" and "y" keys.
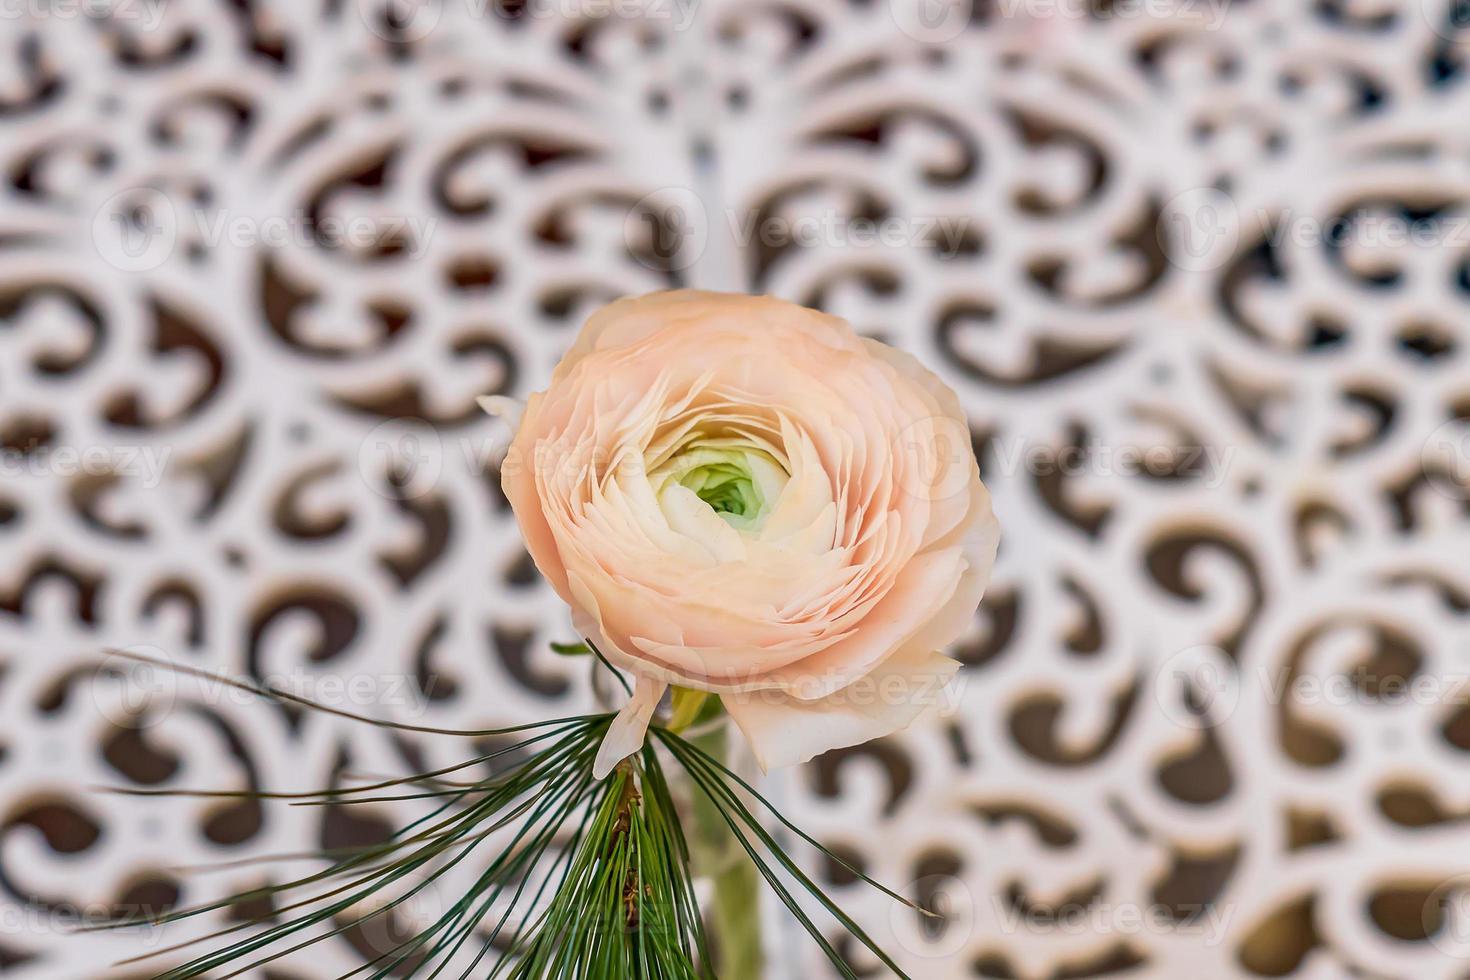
[{"x": 1199, "y": 270}]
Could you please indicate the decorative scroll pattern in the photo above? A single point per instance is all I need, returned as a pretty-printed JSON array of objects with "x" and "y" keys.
[{"x": 1199, "y": 271}]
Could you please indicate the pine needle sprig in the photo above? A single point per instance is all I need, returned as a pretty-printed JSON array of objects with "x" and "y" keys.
[
  {"x": 626, "y": 907},
  {"x": 587, "y": 879},
  {"x": 719, "y": 783},
  {"x": 539, "y": 794}
]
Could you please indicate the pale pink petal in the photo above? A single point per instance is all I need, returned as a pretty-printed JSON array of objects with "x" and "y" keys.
[
  {"x": 786, "y": 731},
  {"x": 979, "y": 543},
  {"x": 503, "y": 407},
  {"x": 924, "y": 589},
  {"x": 625, "y": 735}
]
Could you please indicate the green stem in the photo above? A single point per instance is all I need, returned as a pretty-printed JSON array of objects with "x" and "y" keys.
[{"x": 734, "y": 914}]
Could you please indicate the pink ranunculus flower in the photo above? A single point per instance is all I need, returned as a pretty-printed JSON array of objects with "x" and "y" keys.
[{"x": 742, "y": 496}]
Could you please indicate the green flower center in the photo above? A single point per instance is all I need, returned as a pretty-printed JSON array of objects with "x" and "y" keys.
[
  {"x": 739, "y": 483},
  {"x": 725, "y": 487}
]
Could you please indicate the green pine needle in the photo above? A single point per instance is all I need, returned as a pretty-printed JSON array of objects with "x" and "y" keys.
[{"x": 594, "y": 882}]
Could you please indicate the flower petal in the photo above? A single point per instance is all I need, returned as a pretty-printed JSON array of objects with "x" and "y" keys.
[
  {"x": 625, "y": 735},
  {"x": 786, "y": 731},
  {"x": 503, "y": 407}
]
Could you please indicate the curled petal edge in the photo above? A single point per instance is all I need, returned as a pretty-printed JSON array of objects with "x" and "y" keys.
[{"x": 786, "y": 731}]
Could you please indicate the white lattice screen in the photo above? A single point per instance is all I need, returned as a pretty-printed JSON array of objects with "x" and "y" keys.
[{"x": 1200, "y": 271}]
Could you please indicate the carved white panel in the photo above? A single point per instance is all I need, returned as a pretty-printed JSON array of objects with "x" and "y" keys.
[{"x": 1200, "y": 272}]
